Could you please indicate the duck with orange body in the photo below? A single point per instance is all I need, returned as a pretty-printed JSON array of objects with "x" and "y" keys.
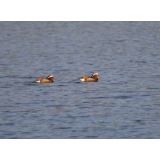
[
  {"x": 49, "y": 79},
  {"x": 93, "y": 78}
]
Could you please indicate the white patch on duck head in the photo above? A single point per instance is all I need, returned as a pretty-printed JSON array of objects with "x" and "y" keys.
[
  {"x": 95, "y": 74},
  {"x": 49, "y": 76}
]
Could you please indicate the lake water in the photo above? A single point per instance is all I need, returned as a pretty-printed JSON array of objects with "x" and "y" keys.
[{"x": 124, "y": 103}]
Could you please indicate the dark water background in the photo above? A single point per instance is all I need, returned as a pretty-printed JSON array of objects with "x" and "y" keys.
[{"x": 125, "y": 103}]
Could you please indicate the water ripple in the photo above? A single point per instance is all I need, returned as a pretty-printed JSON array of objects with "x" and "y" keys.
[{"x": 124, "y": 103}]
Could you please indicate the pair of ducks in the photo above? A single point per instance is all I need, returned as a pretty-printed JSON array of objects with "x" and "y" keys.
[{"x": 49, "y": 79}]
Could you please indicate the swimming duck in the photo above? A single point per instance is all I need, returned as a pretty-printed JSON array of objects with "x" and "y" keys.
[
  {"x": 49, "y": 79},
  {"x": 93, "y": 78}
]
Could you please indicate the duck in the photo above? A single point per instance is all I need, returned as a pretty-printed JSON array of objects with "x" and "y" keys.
[
  {"x": 93, "y": 78},
  {"x": 49, "y": 79}
]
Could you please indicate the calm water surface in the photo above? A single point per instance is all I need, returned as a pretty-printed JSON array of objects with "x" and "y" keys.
[{"x": 124, "y": 103}]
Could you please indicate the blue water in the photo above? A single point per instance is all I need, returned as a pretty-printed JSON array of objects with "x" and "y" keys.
[{"x": 124, "y": 103}]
